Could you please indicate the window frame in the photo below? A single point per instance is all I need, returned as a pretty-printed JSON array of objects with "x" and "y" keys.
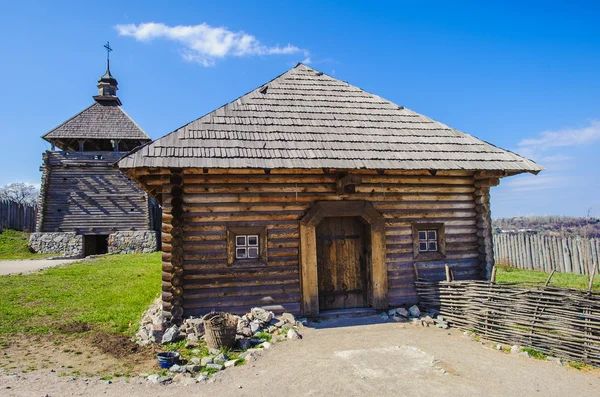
[
  {"x": 247, "y": 246},
  {"x": 233, "y": 232},
  {"x": 441, "y": 241}
]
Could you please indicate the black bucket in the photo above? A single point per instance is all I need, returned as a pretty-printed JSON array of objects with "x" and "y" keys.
[{"x": 167, "y": 359}]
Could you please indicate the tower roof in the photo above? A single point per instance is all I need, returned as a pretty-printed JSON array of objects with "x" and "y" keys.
[
  {"x": 108, "y": 77},
  {"x": 98, "y": 121},
  {"x": 104, "y": 120},
  {"x": 307, "y": 119}
]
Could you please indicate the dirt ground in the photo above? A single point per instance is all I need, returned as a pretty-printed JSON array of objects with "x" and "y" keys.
[
  {"x": 350, "y": 357},
  {"x": 91, "y": 355},
  {"x": 30, "y": 265}
]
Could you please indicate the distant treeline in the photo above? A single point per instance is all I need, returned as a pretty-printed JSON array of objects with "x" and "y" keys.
[{"x": 564, "y": 226}]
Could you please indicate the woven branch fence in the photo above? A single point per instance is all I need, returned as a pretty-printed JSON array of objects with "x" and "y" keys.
[
  {"x": 547, "y": 253},
  {"x": 17, "y": 216},
  {"x": 561, "y": 322}
]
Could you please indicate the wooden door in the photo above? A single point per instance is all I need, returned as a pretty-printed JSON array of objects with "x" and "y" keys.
[{"x": 341, "y": 264}]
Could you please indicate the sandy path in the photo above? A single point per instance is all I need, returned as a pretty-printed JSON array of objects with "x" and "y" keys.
[
  {"x": 378, "y": 359},
  {"x": 30, "y": 265}
]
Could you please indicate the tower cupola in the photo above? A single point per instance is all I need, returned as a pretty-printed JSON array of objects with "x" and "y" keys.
[{"x": 107, "y": 84}]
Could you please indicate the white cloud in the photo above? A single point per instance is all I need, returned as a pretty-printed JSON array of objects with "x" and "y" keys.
[
  {"x": 556, "y": 158},
  {"x": 205, "y": 44},
  {"x": 528, "y": 183},
  {"x": 565, "y": 137}
]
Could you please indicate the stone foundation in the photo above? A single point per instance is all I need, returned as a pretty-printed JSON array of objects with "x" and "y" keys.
[
  {"x": 67, "y": 244},
  {"x": 70, "y": 244},
  {"x": 127, "y": 242}
]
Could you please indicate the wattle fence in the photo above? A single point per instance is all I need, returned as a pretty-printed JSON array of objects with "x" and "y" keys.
[
  {"x": 557, "y": 321},
  {"x": 17, "y": 216},
  {"x": 547, "y": 253}
]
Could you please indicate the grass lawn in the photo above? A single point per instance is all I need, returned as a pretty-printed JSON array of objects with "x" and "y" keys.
[
  {"x": 565, "y": 280},
  {"x": 108, "y": 293},
  {"x": 13, "y": 245}
]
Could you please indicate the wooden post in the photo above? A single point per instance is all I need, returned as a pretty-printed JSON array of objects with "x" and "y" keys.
[
  {"x": 584, "y": 269},
  {"x": 549, "y": 277},
  {"x": 566, "y": 255},
  {"x": 308, "y": 270},
  {"x": 545, "y": 259},
  {"x": 416, "y": 269},
  {"x": 574, "y": 257},
  {"x": 448, "y": 273},
  {"x": 592, "y": 274},
  {"x": 379, "y": 277},
  {"x": 493, "y": 278}
]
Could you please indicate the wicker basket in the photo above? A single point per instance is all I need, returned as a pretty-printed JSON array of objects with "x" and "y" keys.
[{"x": 219, "y": 330}]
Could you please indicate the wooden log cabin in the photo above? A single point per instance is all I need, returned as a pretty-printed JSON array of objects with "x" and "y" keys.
[
  {"x": 87, "y": 206},
  {"x": 308, "y": 194}
]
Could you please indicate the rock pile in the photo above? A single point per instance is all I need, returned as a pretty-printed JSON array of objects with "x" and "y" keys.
[
  {"x": 256, "y": 330},
  {"x": 414, "y": 315},
  {"x": 151, "y": 325}
]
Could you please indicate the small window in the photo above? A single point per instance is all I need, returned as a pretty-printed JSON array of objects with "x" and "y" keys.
[
  {"x": 246, "y": 245},
  {"x": 429, "y": 241}
]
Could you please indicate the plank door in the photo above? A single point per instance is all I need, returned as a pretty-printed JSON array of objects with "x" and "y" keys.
[{"x": 341, "y": 264}]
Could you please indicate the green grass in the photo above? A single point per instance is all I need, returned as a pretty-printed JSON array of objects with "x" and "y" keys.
[
  {"x": 13, "y": 245},
  {"x": 564, "y": 280},
  {"x": 580, "y": 366},
  {"x": 264, "y": 335},
  {"x": 108, "y": 294},
  {"x": 537, "y": 354}
]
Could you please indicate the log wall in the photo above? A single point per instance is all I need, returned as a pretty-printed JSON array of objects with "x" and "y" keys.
[
  {"x": 84, "y": 193},
  {"x": 214, "y": 200}
]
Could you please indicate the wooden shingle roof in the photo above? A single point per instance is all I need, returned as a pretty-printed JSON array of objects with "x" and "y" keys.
[
  {"x": 99, "y": 121},
  {"x": 306, "y": 119}
]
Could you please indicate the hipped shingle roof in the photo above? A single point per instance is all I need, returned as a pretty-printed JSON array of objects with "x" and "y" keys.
[
  {"x": 306, "y": 119},
  {"x": 99, "y": 121}
]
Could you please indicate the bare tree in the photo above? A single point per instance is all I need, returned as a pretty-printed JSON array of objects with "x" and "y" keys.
[{"x": 19, "y": 192}]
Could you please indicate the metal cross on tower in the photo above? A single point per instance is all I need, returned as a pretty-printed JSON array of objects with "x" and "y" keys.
[{"x": 108, "y": 50}]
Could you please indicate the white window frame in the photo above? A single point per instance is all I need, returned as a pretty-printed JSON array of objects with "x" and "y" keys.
[
  {"x": 436, "y": 248},
  {"x": 428, "y": 238},
  {"x": 248, "y": 245}
]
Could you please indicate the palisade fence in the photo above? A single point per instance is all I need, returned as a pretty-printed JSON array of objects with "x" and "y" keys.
[
  {"x": 547, "y": 253},
  {"x": 17, "y": 216},
  {"x": 558, "y": 321}
]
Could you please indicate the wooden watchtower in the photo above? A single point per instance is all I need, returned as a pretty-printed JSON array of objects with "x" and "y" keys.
[{"x": 87, "y": 206}]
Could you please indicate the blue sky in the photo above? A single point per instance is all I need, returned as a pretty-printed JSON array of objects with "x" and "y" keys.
[{"x": 521, "y": 75}]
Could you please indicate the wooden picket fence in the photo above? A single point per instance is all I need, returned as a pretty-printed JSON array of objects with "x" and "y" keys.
[
  {"x": 547, "y": 253},
  {"x": 17, "y": 216},
  {"x": 557, "y": 321}
]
